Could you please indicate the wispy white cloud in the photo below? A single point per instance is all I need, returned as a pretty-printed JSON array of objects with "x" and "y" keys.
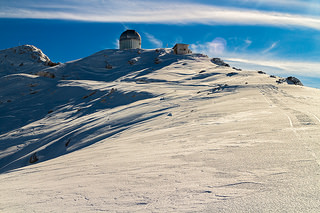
[
  {"x": 248, "y": 42},
  {"x": 301, "y": 5},
  {"x": 125, "y": 27},
  {"x": 156, "y": 42},
  {"x": 272, "y": 46},
  {"x": 144, "y": 11},
  {"x": 276, "y": 66},
  {"x": 116, "y": 44},
  {"x": 214, "y": 47}
]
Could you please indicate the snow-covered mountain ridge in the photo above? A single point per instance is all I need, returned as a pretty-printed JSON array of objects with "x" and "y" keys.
[
  {"x": 148, "y": 130},
  {"x": 25, "y": 58}
]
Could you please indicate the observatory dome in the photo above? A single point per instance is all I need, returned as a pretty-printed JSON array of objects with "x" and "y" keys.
[{"x": 130, "y": 39}]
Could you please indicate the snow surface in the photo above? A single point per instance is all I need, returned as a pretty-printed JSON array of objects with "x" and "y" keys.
[{"x": 150, "y": 131}]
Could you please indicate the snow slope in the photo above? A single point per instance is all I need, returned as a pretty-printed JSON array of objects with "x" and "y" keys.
[{"x": 150, "y": 131}]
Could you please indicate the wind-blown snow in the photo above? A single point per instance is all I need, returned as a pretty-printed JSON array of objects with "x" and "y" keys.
[{"x": 147, "y": 130}]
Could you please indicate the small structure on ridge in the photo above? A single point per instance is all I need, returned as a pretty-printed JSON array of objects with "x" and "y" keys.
[
  {"x": 130, "y": 39},
  {"x": 181, "y": 49}
]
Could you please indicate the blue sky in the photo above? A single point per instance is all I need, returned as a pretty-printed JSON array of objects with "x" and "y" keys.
[{"x": 279, "y": 37}]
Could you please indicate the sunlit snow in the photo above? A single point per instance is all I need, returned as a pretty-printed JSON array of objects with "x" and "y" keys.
[{"x": 150, "y": 131}]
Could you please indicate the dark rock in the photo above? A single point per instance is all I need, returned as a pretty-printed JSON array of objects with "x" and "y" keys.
[
  {"x": 157, "y": 61},
  {"x": 281, "y": 80},
  {"x": 45, "y": 74},
  {"x": 294, "y": 80},
  {"x": 219, "y": 62},
  {"x": 67, "y": 143},
  {"x": 219, "y": 87},
  {"x": 33, "y": 158},
  {"x": 232, "y": 74},
  {"x": 238, "y": 69},
  {"x": 261, "y": 72},
  {"x": 290, "y": 80},
  {"x": 52, "y": 64}
]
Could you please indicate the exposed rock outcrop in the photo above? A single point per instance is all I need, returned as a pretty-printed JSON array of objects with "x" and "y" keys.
[
  {"x": 294, "y": 80},
  {"x": 219, "y": 62}
]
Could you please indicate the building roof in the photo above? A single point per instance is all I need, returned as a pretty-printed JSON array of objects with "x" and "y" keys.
[{"x": 130, "y": 34}]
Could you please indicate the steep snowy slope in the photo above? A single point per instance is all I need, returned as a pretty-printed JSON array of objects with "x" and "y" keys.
[
  {"x": 23, "y": 59},
  {"x": 147, "y": 130}
]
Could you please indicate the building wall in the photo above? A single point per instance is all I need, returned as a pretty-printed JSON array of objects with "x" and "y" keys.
[
  {"x": 130, "y": 44},
  {"x": 182, "y": 49}
]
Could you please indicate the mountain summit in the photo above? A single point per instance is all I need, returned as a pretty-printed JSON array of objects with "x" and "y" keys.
[
  {"x": 149, "y": 130},
  {"x": 25, "y": 58}
]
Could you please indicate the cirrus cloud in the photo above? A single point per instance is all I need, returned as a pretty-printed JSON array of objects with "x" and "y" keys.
[
  {"x": 276, "y": 66},
  {"x": 156, "y": 42},
  {"x": 144, "y": 11}
]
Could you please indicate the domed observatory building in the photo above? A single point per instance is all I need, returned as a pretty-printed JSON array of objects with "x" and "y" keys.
[{"x": 130, "y": 39}]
